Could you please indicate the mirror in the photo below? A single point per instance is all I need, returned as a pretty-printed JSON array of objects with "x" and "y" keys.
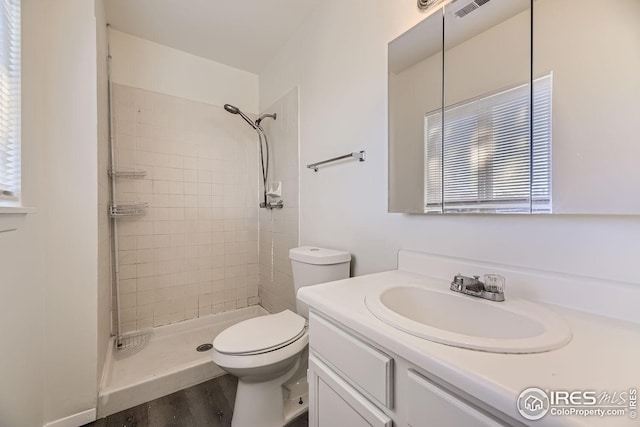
[
  {"x": 592, "y": 49},
  {"x": 415, "y": 87},
  {"x": 486, "y": 139},
  {"x": 584, "y": 82}
]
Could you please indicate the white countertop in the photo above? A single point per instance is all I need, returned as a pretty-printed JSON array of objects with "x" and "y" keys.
[{"x": 603, "y": 355}]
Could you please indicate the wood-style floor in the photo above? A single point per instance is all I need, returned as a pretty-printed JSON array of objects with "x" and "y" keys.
[{"x": 208, "y": 404}]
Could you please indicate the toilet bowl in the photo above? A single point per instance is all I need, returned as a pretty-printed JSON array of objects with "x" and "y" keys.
[
  {"x": 269, "y": 354},
  {"x": 264, "y": 353}
]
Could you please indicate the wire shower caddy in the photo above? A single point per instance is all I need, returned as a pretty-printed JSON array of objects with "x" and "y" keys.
[{"x": 128, "y": 343}]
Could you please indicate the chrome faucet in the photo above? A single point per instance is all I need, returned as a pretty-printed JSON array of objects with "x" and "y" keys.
[{"x": 476, "y": 288}]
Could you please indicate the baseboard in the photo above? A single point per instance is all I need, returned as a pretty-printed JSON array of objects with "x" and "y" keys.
[{"x": 75, "y": 420}]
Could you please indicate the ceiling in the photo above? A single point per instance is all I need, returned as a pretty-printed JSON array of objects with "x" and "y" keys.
[{"x": 244, "y": 34}]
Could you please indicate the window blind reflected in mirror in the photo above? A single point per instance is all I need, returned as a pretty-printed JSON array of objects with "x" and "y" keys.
[{"x": 488, "y": 164}]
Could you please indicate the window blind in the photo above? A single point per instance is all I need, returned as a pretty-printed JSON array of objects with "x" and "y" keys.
[
  {"x": 487, "y": 162},
  {"x": 541, "y": 184},
  {"x": 9, "y": 99},
  {"x": 433, "y": 162}
]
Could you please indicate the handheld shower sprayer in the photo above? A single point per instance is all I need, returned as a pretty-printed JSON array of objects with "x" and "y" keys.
[
  {"x": 264, "y": 154},
  {"x": 235, "y": 110}
]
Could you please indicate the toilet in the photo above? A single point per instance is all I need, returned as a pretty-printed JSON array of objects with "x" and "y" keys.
[{"x": 269, "y": 354}]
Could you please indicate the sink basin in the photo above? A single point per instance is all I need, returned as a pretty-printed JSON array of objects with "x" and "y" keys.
[{"x": 447, "y": 317}]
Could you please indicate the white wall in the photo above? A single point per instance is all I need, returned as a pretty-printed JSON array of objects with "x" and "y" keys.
[
  {"x": 22, "y": 320},
  {"x": 157, "y": 68},
  {"x": 69, "y": 205},
  {"x": 49, "y": 266},
  {"x": 338, "y": 57},
  {"x": 21, "y": 258},
  {"x": 48, "y": 311},
  {"x": 104, "y": 224}
]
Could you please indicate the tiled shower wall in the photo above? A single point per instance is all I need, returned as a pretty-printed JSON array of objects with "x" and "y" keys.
[
  {"x": 195, "y": 252},
  {"x": 279, "y": 227}
]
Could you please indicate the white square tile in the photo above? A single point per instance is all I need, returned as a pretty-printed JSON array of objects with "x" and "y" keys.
[
  {"x": 203, "y": 220},
  {"x": 127, "y": 257},
  {"x": 128, "y": 272},
  {"x": 160, "y": 187},
  {"x": 145, "y": 298},
  {"x": 144, "y": 255},
  {"x": 144, "y": 270},
  {"x": 146, "y": 283},
  {"x": 176, "y": 188},
  {"x": 176, "y": 161},
  {"x": 191, "y": 188},
  {"x": 128, "y": 286},
  {"x": 144, "y": 323},
  {"x": 144, "y": 242},
  {"x": 176, "y": 200},
  {"x": 161, "y": 227},
  {"x": 205, "y": 311}
]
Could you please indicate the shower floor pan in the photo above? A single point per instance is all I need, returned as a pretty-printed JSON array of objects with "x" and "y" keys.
[{"x": 168, "y": 363}]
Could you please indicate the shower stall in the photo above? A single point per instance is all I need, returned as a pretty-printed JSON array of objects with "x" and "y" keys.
[{"x": 199, "y": 241}]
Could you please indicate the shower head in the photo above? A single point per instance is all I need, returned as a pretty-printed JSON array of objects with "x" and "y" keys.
[
  {"x": 235, "y": 110},
  {"x": 231, "y": 108}
]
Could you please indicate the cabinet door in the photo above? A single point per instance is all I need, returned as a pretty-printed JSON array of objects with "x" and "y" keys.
[
  {"x": 358, "y": 363},
  {"x": 431, "y": 406},
  {"x": 334, "y": 403}
]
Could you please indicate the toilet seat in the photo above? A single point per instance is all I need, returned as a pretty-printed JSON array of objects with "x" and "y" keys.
[
  {"x": 275, "y": 340},
  {"x": 261, "y": 334}
]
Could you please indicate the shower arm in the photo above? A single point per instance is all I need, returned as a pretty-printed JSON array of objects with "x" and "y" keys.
[{"x": 264, "y": 116}]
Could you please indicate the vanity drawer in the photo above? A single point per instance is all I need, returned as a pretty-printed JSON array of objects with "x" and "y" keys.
[
  {"x": 428, "y": 405},
  {"x": 333, "y": 403},
  {"x": 362, "y": 365}
]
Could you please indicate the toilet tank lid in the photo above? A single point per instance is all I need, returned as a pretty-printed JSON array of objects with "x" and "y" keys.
[{"x": 318, "y": 256}]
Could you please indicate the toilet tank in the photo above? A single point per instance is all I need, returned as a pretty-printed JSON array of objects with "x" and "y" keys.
[{"x": 312, "y": 265}]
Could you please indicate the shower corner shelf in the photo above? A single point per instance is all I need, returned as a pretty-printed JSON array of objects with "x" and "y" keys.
[
  {"x": 127, "y": 174},
  {"x": 128, "y": 209}
]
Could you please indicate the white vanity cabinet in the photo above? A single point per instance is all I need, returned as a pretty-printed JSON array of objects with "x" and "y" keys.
[
  {"x": 430, "y": 405},
  {"x": 355, "y": 383},
  {"x": 349, "y": 380},
  {"x": 333, "y": 402}
]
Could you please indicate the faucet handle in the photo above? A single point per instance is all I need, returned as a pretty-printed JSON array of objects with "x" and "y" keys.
[
  {"x": 458, "y": 283},
  {"x": 494, "y": 283}
]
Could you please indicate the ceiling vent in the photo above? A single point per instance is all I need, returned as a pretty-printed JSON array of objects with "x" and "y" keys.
[{"x": 465, "y": 10}]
